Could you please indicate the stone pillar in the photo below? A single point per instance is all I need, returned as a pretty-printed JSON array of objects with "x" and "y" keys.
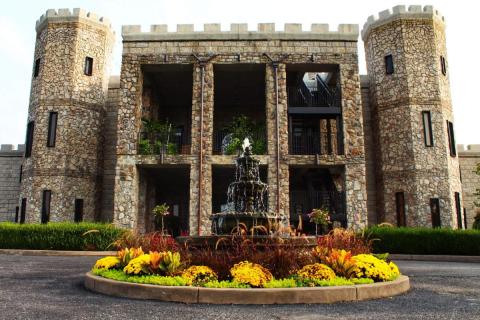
[
  {"x": 205, "y": 184},
  {"x": 355, "y": 186},
  {"x": 271, "y": 116},
  {"x": 126, "y": 193}
]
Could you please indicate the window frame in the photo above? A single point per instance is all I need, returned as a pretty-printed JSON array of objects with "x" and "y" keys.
[
  {"x": 443, "y": 65},
  {"x": 389, "y": 67},
  {"x": 400, "y": 207},
  {"x": 29, "y": 139},
  {"x": 458, "y": 209},
  {"x": 88, "y": 66},
  {"x": 52, "y": 129},
  {"x": 427, "y": 128},
  {"x": 23, "y": 210},
  {"x": 46, "y": 204},
  {"x": 436, "y": 216},
  {"x": 36, "y": 67},
  {"x": 78, "y": 214},
  {"x": 451, "y": 139}
]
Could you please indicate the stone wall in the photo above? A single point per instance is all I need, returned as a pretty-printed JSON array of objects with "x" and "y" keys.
[
  {"x": 416, "y": 40},
  {"x": 10, "y": 165},
  {"x": 469, "y": 157},
  {"x": 293, "y": 46},
  {"x": 71, "y": 169}
]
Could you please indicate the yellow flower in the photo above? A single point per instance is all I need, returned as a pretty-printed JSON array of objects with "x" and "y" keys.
[
  {"x": 250, "y": 273},
  {"x": 371, "y": 267},
  {"x": 198, "y": 275},
  {"x": 316, "y": 271},
  {"x": 138, "y": 265},
  {"x": 126, "y": 254},
  {"x": 107, "y": 263}
]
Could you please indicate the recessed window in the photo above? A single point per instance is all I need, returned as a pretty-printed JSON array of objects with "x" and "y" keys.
[
  {"x": 88, "y": 69},
  {"x": 29, "y": 139},
  {"x": 427, "y": 128},
  {"x": 23, "y": 210},
  {"x": 400, "y": 204},
  {"x": 78, "y": 210},
  {"x": 46, "y": 199},
  {"x": 443, "y": 65},
  {"x": 435, "y": 212},
  {"x": 389, "y": 64},
  {"x": 52, "y": 129},
  {"x": 451, "y": 139},
  {"x": 21, "y": 174},
  {"x": 16, "y": 214},
  {"x": 458, "y": 209},
  {"x": 36, "y": 68}
]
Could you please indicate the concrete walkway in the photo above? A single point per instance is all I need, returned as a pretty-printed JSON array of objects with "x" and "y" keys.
[{"x": 51, "y": 287}]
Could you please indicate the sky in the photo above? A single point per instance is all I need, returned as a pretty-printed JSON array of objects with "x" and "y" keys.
[{"x": 17, "y": 41}]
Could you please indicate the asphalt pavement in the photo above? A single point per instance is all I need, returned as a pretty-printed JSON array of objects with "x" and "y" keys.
[{"x": 42, "y": 287}]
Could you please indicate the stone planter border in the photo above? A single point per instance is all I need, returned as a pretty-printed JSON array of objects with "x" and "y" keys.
[{"x": 247, "y": 296}]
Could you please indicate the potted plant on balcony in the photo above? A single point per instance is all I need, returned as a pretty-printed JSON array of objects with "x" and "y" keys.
[
  {"x": 243, "y": 127},
  {"x": 320, "y": 217},
  {"x": 160, "y": 211},
  {"x": 156, "y": 138}
]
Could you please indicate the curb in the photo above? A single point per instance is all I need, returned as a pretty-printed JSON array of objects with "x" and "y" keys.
[
  {"x": 440, "y": 258},
  {"x": 20, "y": 252},
  {"x": 247, "y": 296}
]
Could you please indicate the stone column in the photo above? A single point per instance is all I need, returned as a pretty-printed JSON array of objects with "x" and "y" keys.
[
  {"x": 271, "y": 110},
  {"x": 205, "y": 202},
  {"x": 355, "y": 182}
]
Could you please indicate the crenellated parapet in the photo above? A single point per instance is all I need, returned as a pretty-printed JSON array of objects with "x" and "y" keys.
[
  {"x": 65, "y": 15},
  {"x": 400, "y": 12},
  {"x": 239, "y": 31}
]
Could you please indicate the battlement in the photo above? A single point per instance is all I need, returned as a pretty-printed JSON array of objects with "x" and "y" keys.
[
  {"x": 472, "y": 148},
  {"x": 10, "y": 149},
  {"x": 65, "y": 15},
  {"x": 239, "y": 31},
  {"x": 400, "y": 12}
]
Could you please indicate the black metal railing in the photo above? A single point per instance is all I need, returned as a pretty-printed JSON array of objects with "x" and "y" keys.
[
  {"x": 219, "y": 136},
  {"x": 302, "y": 143},
  {"x": 302, "y": 202},
  {"x": 177, "y": 142},
  {"x": 320, "y": 95}
]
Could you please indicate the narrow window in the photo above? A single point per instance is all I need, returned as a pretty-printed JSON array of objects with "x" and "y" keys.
[
  {"x": 88, "y": 66},
  {"x": 29, "y": 142},
  {"x": 52, "y": 129},
  {"x": 47, "y": 196},
  {"x": 23, "y": 210},
  {"x": 389, "y": 64},
  {"x": 78, "y": 210},
  {"x": 16, "y": 214},
  {"x": 400, "y": 203},
  {"x": 458, "y": 209},
  {"x": 435, "y": 211},
  {"x": 427, "y": 128},
  {"x": 465, "y": 218},
  {"x": 21, "y": 174},
  {"x": 443, "y": 65},
  {"x": 451, "y": 139},
  {"x": 36, "y": 68}
]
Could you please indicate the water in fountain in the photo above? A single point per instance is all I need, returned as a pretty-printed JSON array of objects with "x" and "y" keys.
[{"x": 246, "y": 207}]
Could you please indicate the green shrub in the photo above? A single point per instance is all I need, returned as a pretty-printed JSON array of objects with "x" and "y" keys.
[
  {"x": 281, "y": 283},
  {"x": 425, "y": 241},
  {"x": 58, "y": 236},
  {"x": 476, "y": 222},
  {"x": 119, "y": 275},
  {"x": 226, "y": 284}
]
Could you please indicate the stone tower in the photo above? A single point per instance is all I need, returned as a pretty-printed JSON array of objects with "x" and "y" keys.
[
  {"x": 418, "y": 180},
  {"x": 62, "y": 163}
]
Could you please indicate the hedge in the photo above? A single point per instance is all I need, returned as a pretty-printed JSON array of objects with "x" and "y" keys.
[
  {"x": 58, "y": 236},
  {"x": 425, "y": 241}
]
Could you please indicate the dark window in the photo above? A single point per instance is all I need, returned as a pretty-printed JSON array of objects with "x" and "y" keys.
[
  {"x": 52, "y": 129},
  {"x": 400, "y": 203},
  {"x": 16, "y": 214},
  {"x": 29, "y": 140},
  {"x": 23, "y": 210},
  {"x": 389, "y": 64},
  {"x": 435, "y": 211},
  {"x": 36, "y": 68},
  {"x": 451, "y": 139},
  {"x": 78, "y": 210},
  {"x": 464, "y": 218},
  {"x": 88, "y": 66},
  {"x": 458, "y": 209},
  {"x": 427, "y": 128},
  {"x": 21, "y": 174},
  {"x": 47, "y": 197},
  {"x": 443, "y": 65}
]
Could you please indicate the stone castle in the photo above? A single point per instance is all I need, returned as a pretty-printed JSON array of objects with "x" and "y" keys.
[{"x": 370, "y": 149}]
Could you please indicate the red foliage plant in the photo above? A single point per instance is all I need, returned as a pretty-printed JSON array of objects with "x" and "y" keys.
[
  {"x": 154, "y": 241},
  {"x": 344, "y": 239}
]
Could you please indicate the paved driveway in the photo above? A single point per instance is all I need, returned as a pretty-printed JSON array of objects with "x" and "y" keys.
[{"x": 52, "y": 288}]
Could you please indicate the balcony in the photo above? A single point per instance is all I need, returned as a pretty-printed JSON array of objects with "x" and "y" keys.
[{"x": 314, "y": 134}]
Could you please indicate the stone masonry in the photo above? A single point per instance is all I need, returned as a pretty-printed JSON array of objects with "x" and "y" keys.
[
  {"x": 469, "y": 158},
  {"x": 10, "y": 163},
  {"x": 379, "y": 149}
]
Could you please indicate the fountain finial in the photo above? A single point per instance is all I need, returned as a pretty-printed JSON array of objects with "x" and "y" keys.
[{"x": 246, "y": 144}]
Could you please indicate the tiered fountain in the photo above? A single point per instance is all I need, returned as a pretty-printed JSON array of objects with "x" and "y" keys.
[{"x": 246, "y": 207}]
